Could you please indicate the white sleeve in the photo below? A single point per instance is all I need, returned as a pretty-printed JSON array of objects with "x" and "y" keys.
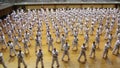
[
  {"x": 12, "y": 44},
  {"x": 22, "y": 54},
  {"x": 3, "y": 37},
  {"x": 1, "y": 54},
  {"x": 64, "y": 46}
]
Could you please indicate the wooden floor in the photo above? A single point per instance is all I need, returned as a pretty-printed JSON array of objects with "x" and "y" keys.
[{"x": 112, "y": 61}]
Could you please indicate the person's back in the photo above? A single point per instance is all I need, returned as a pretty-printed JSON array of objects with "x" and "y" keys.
[
  {"x": 20, "y": 59},
  {"x": 20, "y": 56},
  {"x": 55, "y": 57},
  {"x": 39, "y": 58}
]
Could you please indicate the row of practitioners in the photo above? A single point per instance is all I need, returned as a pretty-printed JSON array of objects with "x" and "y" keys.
[
  {"x": 66, "y": 48},
  {"x": 13, "y": 28},
  {"x": 38, "y": 40}
]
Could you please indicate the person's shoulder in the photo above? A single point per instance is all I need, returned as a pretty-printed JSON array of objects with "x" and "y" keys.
[
  {"x": 53, "y": 52},
  {"x": 57, "y": 51},
  {"x": 118, "y": 41},
  {"x": 22, "y": 53},
  {"x": 11, "y": 43},
  {"x": 37, "y": 52}
]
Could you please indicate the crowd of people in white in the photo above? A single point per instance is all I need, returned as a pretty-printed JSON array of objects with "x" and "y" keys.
[{"x": 19, "y": 27}]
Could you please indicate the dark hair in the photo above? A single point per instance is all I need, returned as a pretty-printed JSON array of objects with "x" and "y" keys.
[
  {"x": 39, "y": 50},
  {"x": 66, "y": 43},
  {"x": 19, "y": 51},
  {"x": 54, "y": 49},
  {"x": 9, "y": 41},
  {"x": 107, "y": 42},
  {"x": 83, "y": 44}
]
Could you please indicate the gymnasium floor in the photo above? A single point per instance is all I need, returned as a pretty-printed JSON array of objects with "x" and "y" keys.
[{"x": 112, "y": 61}]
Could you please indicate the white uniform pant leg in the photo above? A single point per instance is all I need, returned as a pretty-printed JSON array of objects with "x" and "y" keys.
[
  {"x": 68, "y": 55},
  {"x": 91, "y": 52},
  {"x": 42, "y": 63},
  {"x": 5, "y": 43},
  {"x": 14, "y": 51},
  {"x": 10, "y": 51},
  {"x": 63, "y": 55},
  {"x": 114, "y": 49},
  {"x": 19, "y": 62},
  {"x": 84, "y": 54},
  {"x": 3, "y": 63},
  {"x": 27, "y": 49},
  {"x": 53, "y": 60},
  {"x": 50, "y": 45},
  {"x": 105, "y": 53},
  {"x": 37, "y": 61},
  {"x": 24, "y": 63},
  {"x": 80, "y": 56},
  {"x": 57, "y": 62}
]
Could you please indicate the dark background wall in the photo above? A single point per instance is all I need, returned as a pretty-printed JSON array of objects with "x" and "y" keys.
[{"x": 12, "y": 1}]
